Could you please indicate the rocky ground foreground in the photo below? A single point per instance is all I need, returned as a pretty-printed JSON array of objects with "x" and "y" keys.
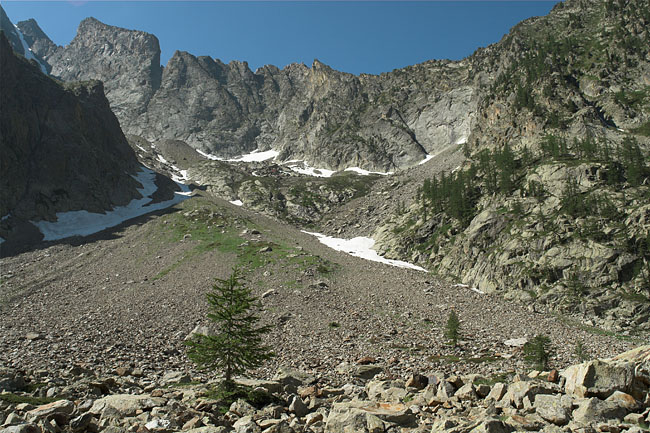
[
  {"x": 100, "y": 323},
  {"x": 595, "y": 396}
]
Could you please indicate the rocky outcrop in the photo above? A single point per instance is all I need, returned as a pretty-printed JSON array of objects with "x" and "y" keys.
[
  {"x": 19, "y": 43},
  {"x": 127, "y": 62},
  {"x": 545, "y": 227},
  {"x": 62, "y": 148},
  {"x": 328, "y": 118},
  {"x": 295, "y": 401},
  {"x": 38, "y": 41}
]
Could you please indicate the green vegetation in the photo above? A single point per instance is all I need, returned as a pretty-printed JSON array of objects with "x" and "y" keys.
[
  {"x": 227, "y": 396},
  {"x": 208, "y": 228},
  {"x": 536, "y": 352},
  {"x": 20, "y": 398},
  {"x": 237, "y": 344},
  {"x": 581, "y": 352},
  {"x": 452, "y": 328}
]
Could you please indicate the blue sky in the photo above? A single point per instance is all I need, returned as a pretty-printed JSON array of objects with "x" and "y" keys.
[{"x": 356, "y": 37}]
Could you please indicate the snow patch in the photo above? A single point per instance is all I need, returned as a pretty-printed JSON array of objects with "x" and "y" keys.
[
  {"x": 183, "y": 173},
  {"x": 361, "y": 247},
  {"x": 303, "y": 168},
  {"x": 427, "y": 158},
  {"x": 83, "y": 223},
  {"x": 474, "y": 289},
  {"x": 256, "y": 156},
  {"x": 28, "y": 51},
  {"x": 363, "y": 172},
  {"x": 461, "y": 140},
  {"x": 207, "y": 155},
  {"x": 5, "y": 217},
  {"x": 236, "y": 202}
]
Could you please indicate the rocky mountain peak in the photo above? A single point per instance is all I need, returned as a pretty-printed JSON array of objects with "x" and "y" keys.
[
  {"x": 127, "y": 61},
  {"x": 38, "y": 41},
  {"x": 7, "y": 27}
]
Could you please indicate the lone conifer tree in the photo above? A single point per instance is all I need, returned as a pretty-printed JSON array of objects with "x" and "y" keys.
[
  {"x": 237, "y": 344},
  {"x": 451, "y": 329}
]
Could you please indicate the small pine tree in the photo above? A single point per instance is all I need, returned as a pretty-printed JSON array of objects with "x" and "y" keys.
[
  {"x": 237, "y": 344},
  {"x": 452, "y": 327},
  {"x": 536, "y": 351},
  {"x": 581, "y": 352}
]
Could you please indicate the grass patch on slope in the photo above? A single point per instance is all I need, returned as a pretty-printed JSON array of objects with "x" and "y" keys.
[{"x": 207, "y": 227}]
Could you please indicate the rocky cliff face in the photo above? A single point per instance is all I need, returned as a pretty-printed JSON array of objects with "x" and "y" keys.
[
  {"x": 38, "y": 41},
  {"x": 19, "y": 42},
  {"x": 328, "y": 118},
  {"x": 552, "y": 206},
  {"x": 62, "y": 148},
  {"x": 127, "y": 62}
]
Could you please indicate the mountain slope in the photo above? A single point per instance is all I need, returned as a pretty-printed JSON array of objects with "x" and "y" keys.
[
  {"x": 328, "y": 118},
  {"x": 552, "y": 206},
  {"x": 62, "y": 148}
]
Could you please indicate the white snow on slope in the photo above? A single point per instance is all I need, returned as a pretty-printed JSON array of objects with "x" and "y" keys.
[
  {"x": 363, "y": 172},
  {"x": 256, "y": 156},
  {"x": 303, "y": 168},
  {"x": 361, "y": 247},
  {"x": 426, "y": 159},
  {"x": 83, "y": 223},
  {"x": 28, "y": 51},
  {"x": 176, "y": 178},
  {"x": 474, "y": 289},
  {"x": 236, "y": 202},
  {"x": 209, "y": 156}
]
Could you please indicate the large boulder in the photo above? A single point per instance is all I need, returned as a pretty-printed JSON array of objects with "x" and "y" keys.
[
  {"x": 125, "y": 405},
  {"x": 365, "y": 416},
  {"x": 598, "y": 378},
  {"x": 554, "y": 408}
]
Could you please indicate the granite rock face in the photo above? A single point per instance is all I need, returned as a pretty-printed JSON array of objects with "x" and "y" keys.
[
  {"x": 127, "y": 62},
  {"x": 40, "y": 44},
  {"x": 62, "y": 148},
  {"x": 328, "y": 118}
]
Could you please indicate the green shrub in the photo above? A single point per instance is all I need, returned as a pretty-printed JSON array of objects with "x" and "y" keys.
[
  {"x": 536, "y": 352},
  {"x": 237, "y": 345},
  {"x": 452, "y": 327}
]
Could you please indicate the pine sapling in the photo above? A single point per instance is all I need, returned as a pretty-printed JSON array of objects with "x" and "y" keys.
[
  {"x": 237, "y": 343},
  {"x": 452, "y": 327},
  {"x": 536, "y": 352}
]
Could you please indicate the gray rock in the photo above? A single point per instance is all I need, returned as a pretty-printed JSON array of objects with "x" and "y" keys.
[
  {"x": 176, "y": 377},
  {"x": 593, "y": 410},
  {"x": 22, "y": 428},
  {"x": 554, "y": 408},
  {"x": 366, "y": 372},
  {"x": 60, "y": 407},
  {"x": 125, "y": 405},
  {"x": 297, "y": 406},
  {"x": 246, "y": 425},
  {"x": 598, "y": 378},
  {"x": 517, "y": 391}
]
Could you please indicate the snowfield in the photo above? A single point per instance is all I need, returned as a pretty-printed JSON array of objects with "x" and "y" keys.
[
  {"x": 363, "y": 172},
  {"x": 28, "y": 51},
  {"x": 361, "y": 247},
  {"x": 84, "y": 223},
  {"x": 303, "y": 168}
]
